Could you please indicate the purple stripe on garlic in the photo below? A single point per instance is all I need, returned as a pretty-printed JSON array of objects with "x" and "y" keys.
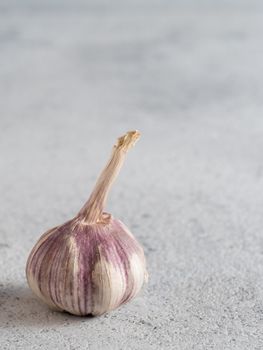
[{"x": 92, "y": 263}]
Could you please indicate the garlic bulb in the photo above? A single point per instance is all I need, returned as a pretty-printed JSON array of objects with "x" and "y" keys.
[{"x": 92, "y": 263}]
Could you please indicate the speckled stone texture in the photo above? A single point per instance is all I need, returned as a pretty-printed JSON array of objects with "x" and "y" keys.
[{"x": 76, "y": 75}]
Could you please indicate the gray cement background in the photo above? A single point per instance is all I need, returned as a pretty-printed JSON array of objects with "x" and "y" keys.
[{"x": 189, "y": 77}]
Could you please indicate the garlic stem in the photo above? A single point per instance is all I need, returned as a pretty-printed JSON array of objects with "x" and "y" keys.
[{"x": 93, "y": 209}]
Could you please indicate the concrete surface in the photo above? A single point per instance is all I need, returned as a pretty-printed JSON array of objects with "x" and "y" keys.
[{"x": 72, "y": 79}]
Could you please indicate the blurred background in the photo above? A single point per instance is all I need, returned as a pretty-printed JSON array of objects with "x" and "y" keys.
[{"x": 188, "y": 74}]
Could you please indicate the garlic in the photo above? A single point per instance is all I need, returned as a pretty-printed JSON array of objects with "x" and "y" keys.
[{"x": 92, "y": 263}]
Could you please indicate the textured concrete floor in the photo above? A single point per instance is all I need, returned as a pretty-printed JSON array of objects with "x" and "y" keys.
[{"x": 189, "y": 78}]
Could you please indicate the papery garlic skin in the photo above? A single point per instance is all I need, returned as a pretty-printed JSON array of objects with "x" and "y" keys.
[
  {"x": 86, "y": 269},
  {"x": 89, "y": 265}
]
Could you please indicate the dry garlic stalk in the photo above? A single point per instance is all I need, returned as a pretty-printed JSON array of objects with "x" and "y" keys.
[{"x": 92, "y": 263}]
